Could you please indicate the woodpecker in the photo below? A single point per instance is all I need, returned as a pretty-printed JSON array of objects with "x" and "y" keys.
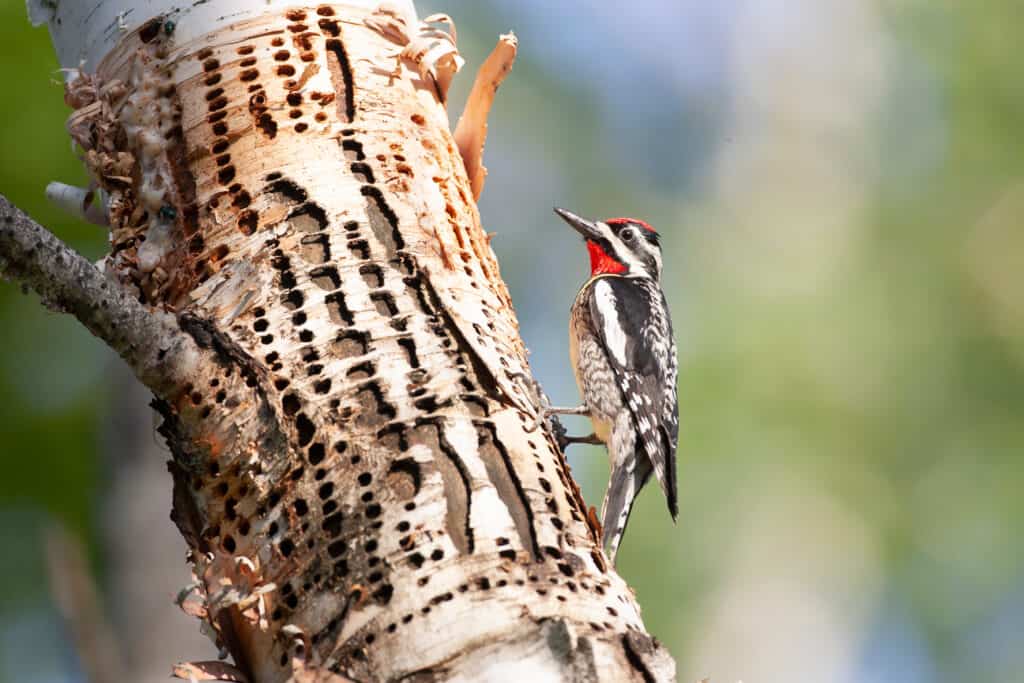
[{"x": 624, "y": 358}]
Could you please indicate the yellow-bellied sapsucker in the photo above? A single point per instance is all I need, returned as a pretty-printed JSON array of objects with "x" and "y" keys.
[{"x": 624, "y": 357}]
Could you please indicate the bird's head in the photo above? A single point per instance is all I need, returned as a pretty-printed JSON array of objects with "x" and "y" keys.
[{"x": 619, "y": 246}]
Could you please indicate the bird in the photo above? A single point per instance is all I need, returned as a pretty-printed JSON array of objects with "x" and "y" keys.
[{"x": 623, "y": 355}]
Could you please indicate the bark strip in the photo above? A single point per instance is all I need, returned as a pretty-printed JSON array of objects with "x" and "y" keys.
[{"x": 471, "y": 131}]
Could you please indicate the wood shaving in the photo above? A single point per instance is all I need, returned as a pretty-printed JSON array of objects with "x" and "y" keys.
[
  {"x": 208, "y": 671},
  {"x": 471, "y": 131},
  {"x": 433, "y": 50}
]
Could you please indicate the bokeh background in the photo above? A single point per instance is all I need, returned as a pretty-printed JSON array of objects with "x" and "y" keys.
[{"x": 840, "y": 186}]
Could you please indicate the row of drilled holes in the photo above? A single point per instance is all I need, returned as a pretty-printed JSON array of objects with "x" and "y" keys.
[
  {"x": 484, "y": 584},
  {"x": 328, "y": 279}
]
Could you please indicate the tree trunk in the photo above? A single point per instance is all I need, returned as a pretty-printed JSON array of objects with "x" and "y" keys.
[{"x": 360, "y": 469}]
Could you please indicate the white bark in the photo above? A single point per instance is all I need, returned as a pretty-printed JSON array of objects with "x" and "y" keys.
[
  {"x": 85, "y": 31},
  {"x": 359, "y": 467}
]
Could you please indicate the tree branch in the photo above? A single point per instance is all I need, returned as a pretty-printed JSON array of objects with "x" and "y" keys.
[
  {"x": 170, "y": 355},
  {"x": 151, "y": 342}
]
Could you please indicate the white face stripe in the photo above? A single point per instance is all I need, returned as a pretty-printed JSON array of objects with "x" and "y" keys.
[
  {"x": 629, "y": 257},
  {"x": 657, "y": 258},
  {"x": 615, "y": 336}
]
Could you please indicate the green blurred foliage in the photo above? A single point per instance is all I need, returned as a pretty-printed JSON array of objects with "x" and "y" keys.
[
  {"x": 898, "y": 388},
  {"x": 51, "y": 387},
  {"x": 50, "y": 368}
]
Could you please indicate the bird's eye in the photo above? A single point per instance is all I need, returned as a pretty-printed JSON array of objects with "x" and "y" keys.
[{"x": 627, "y": 235}]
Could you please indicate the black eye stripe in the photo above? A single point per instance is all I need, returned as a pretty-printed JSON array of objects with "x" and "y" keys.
[{"x": 620, "y": 229}]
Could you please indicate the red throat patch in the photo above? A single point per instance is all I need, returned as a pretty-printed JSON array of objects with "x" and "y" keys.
[{"x": 601, "y": 263}]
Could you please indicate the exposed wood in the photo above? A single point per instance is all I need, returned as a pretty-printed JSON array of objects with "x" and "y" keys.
[
  {"x": 359, "y": 467},
  {"x": 471, "y": 131},
  {"x": 208, "y": 671}
]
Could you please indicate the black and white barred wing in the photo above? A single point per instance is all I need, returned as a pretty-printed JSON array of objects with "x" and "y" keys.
[{"x": 633, "y": 321}]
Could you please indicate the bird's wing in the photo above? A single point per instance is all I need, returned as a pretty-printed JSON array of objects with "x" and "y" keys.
[{"x": 632, "y": 320}]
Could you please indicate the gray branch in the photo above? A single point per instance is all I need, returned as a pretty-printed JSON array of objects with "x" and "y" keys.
[{"x": 151, "y": 342}]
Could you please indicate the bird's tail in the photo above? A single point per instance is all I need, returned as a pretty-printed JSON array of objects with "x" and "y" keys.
[{"x": 623, "y": 486}]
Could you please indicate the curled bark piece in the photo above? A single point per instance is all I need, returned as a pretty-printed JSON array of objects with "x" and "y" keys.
[
  {"x": 77, "y": 201},
  {"x": 471, "y": 131},
  {"x": 304, "y": 674},
  {"x": 208, "y": 671},
  {"x": 435, "y": 53},
  {"x": 432, "y": 50}
]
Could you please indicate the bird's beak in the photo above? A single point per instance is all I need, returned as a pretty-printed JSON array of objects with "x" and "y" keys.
[{"x": 585, "y": 227}]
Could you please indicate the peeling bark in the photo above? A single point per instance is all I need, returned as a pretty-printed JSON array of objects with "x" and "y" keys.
[
  {"x": 471, "y": 131},
  {"x": 299, "y": 274}
]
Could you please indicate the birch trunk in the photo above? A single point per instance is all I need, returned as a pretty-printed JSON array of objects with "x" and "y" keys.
[{"x": 359, "y": 467}]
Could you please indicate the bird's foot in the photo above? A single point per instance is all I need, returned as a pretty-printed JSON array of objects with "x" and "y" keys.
[
  {"x": 578, "y": 410},
  {"x": 564, "y": 440},
  {"x": 588, "y": 439}
]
